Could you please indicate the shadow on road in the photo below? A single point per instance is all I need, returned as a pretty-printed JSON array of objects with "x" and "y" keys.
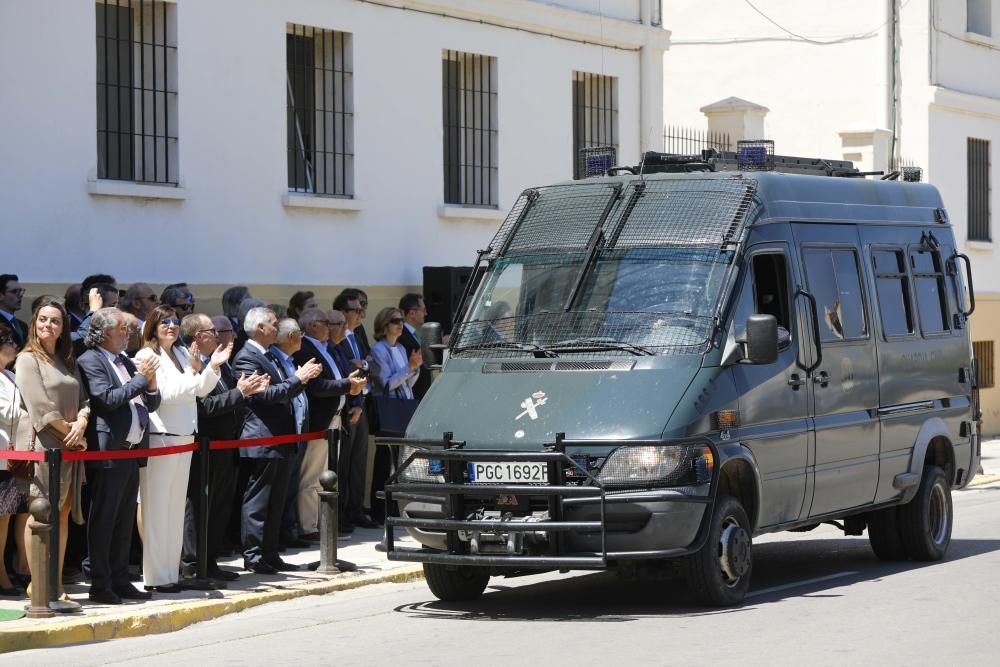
[{"x": 801, "y": 568}]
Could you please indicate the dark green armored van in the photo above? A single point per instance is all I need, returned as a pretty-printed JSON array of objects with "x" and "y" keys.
[{"x": 658, "y": 364}]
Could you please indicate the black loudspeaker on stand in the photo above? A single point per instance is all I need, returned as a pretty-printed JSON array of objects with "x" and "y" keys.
[{"x": 443, "y": 289}]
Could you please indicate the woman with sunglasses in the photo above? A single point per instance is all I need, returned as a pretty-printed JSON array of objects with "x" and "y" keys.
[
  {"x": 395, "y": 373},
  {"x": 181, "y": 380},
  {"x": 58, "y": 411},
  {"x": 13, "y": 422}
]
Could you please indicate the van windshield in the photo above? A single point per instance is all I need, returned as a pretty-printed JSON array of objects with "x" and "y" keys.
[{"x": 654, "y": 300}]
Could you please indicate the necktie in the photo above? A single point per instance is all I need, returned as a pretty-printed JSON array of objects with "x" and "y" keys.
[
  {"x": 19, "y": 328},
  {"x": 277, "y": 365},
  {"x": 354, "y": 347},
  {"x": 140, "y": 408}
]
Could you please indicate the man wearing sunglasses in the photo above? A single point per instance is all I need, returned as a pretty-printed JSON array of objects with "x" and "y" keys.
[
  {"x": 140, "y": 300},
  {"x": 11, "y": 294}
]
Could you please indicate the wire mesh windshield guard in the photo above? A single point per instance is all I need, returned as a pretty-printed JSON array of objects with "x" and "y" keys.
[
  {"x": 611, "y": 333},
  {"x": 687, "y": 212}
]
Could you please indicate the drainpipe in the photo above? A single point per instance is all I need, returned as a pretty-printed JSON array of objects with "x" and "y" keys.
[{"x": 650, "y": 86}]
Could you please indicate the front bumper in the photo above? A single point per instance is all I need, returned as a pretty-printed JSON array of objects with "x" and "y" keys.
[{"x": 565, "y": 526}]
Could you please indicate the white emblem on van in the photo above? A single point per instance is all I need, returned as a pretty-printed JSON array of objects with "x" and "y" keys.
[{"x": 531, "y": 405}]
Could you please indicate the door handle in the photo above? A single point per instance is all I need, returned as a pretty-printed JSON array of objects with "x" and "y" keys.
[
  {"x": 796, "y": 381},
  {"x": 822, "y": 378}
]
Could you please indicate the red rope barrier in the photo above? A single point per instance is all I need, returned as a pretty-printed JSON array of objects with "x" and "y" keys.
[
  {"x": 162, "y": 451},
  {"x": 261, "y": 442},
  {"x": 16, "y": 455},
  {"x": 129, "y": 453}
]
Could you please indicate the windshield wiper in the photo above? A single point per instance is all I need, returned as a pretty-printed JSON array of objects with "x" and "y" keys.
[
  {"x": 600, "y": 345},
  {"x": 537, "y": 350}
]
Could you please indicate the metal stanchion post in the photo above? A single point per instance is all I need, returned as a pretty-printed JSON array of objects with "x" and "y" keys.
[
  {"x": 332, "y": 436},
  {"x": 202, "y": 582},
  {"x": 40, "y": 534},
  {"x": 53, "y": 459}
]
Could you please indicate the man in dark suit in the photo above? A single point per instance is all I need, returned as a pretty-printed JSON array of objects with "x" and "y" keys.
[
  {"x": 11, "y": 294},
  {"x": 220, "y": 417},
  {"x": 414, "y": 314},
  {"x": 121, "y": 398},
  {"x": 327, "y": 397},
  {"x": 270, "y": 414},
  {"x": 353, "y": 462}
]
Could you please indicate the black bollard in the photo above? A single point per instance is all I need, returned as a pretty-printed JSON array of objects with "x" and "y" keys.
[
  {"x": 328, "y": 528},
  {"x": 41, "y": 531}
]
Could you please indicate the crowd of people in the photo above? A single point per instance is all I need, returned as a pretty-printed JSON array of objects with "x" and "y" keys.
[{"x": 107, "y": 369}]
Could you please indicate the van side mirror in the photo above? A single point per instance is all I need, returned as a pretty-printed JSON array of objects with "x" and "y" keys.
[{"x": 761, "y": 339}]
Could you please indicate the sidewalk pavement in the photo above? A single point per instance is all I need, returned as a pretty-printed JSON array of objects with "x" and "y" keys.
[{"x": 166, "y": 613}]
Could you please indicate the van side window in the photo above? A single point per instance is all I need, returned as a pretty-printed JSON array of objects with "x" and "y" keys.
[
  {"x": 770, "y": 288},
  {"x": 833, "y": 278},
  {"x": 893, "y": 288},
  {"x": 932, "y": 299}
]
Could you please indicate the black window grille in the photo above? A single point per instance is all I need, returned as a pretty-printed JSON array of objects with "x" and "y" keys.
[
  {"x": 469, "y": 83},
  {"x": 979, "y": 189},
  {"x": 595, "y": 114},
  {"x": 978, "y": 17},
  {"x": 932, "y": 297},
  {"x": 137, "y": 91},
  {"x": 320, "y": 76},
  {"x": 982, "y": 352}
]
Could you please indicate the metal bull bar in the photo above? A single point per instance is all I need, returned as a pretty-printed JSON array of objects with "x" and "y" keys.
[{"x": 451, "y": 495}]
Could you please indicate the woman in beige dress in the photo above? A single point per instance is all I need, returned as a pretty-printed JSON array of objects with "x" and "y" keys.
[{"x": 58, "y": 410}]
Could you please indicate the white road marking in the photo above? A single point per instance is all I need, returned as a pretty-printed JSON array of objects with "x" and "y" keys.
[{"x": 804, "y": 582}]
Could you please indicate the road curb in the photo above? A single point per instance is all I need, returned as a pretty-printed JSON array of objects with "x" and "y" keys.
[
  {"x": 175, "y": 617},
  {"x": 982, "y": 480}
]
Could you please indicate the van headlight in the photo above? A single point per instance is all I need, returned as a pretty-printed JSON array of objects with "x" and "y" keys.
[
  {"x": 420, "y": 469},
  {"x": 644, "y": 466}
]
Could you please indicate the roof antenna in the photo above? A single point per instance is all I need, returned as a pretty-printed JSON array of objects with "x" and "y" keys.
[{"x": 642, "y": 163}]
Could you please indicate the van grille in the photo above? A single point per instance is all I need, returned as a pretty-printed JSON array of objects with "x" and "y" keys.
[{"x": 560, "y": 366}]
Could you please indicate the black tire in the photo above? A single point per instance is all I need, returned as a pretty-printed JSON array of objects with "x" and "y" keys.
[
  {"x": 925, "y": 521},
  {"x": 719, "y": 574},
  {"x": 460, "y": 583},
  {"x": 884, "y": 534}
]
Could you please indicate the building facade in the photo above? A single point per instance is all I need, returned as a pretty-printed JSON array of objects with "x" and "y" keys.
[
  {"x": 885, "y": 84},
  {"x": 305, "y": 143}
]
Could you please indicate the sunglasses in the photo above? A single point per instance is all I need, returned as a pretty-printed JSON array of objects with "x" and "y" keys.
[
  {"x": 396, "y": 320},
  {"x": 166, "y": 323},
  {"x": 182, "y": 306},
  {"x": 353, "y": 310},
  {"x": 215, "y": 331},
  {"x": 325, "y": 323}
]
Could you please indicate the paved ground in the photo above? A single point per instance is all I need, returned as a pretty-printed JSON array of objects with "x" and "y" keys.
[
  {"x": 817, "y": 598},
  {"x": 172, "y": 612}
]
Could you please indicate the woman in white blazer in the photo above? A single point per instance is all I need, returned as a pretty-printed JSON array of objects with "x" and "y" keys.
[{"x": 181, "y": 380}]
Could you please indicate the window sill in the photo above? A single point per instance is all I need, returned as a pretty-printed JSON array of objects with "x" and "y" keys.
[
  {"x": 985, "y": 40},
  {"x": 982, "y": 246},
  {"x": 345, "y": 204},
  {"x": 137, "y": 190},
  {"x": 458, "y": 212}
]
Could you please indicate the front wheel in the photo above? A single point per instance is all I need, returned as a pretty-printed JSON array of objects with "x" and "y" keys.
[
  {"x": 719, "y": 574},
  {"x": 925, "y": 521},
  {"x": 459, "y": 583}
]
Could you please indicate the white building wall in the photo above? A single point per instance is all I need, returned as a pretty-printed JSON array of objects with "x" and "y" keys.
[
  {"x": 721, "y": 48},
  {"x": 231, "y": 226}
]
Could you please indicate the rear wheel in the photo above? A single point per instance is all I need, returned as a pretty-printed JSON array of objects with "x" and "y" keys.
[
  {"x": 459, "y": 583},
  {"x": 925, "y": 521},
  {"x": 884, "y": 534},
  {"x": 719, "y": 574}
]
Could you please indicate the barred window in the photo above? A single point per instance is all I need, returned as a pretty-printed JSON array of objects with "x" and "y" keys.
[
  {"x": 932, "y": 297},
  {"x": 137, "y": 91},
  {"x": 469, "y": 84},
  {"x": 320, "y": 91},
  {"x": 595, "y": 114},
  {"x": 982, "y": 352},
  {"x": 978, "y": 17},
  {"x": 979, "y": 189}
]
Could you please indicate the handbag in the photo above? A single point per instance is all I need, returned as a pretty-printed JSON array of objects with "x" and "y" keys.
[
  {"x": 19, "y": 469},
  {"x": 394, "y": 414}
]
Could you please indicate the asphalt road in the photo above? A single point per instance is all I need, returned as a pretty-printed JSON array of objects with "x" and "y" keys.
[{"x": 816, "y": 598}]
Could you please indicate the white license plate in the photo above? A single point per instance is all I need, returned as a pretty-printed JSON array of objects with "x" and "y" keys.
[{"x": 509, "y": 473}]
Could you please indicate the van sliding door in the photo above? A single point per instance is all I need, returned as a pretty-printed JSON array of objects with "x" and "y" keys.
[{"x": 844, "y": 387}]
